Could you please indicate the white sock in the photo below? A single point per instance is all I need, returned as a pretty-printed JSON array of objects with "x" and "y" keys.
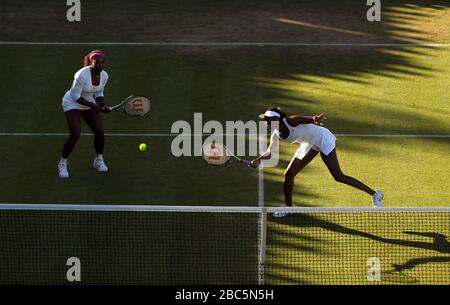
[
  {"x": 100, "y": 157},
  {"x": 63, "y": 161}
]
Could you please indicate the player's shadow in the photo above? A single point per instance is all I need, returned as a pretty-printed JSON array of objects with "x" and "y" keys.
[
  {"x": 440, "y": 243},
  {"x": 412, "y": 263}
]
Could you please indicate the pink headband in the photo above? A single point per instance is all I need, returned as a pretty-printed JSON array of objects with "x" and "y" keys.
[{"x": 95, "y": 54}]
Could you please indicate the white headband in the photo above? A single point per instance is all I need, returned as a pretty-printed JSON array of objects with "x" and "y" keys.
[{"x": 270, "y": 114}]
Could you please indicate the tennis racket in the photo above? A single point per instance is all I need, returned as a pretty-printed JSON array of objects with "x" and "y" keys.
[
  {"x": 134, "y": 105},
  {"x": 218, "y": 154}
]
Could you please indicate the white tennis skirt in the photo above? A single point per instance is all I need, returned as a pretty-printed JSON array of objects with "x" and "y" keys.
[
  {"x": 324, "y": 145},
  {"x": 66, "y": 105}
]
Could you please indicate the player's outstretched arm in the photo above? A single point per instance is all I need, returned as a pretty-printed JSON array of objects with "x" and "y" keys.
[
  {"x": 300, "y": 119},
  {"x": 274, "y": 138}
]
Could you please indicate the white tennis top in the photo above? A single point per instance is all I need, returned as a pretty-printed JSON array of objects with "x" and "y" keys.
[
  {"x": 82, "y": 87},
  {"x": 310, "y": 136}
]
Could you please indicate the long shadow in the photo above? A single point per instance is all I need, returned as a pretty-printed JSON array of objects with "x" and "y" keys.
[
  {"x": 421, "y": 261},
  {"x": 439, "y": 243},
  {"x": 284, "y": 84}
]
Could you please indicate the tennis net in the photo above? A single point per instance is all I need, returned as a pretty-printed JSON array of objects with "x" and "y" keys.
[{"x": 124, "y": 244}]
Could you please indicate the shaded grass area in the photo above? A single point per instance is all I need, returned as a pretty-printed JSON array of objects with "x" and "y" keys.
[
  {"x": 335, "y": 248},
  {"x": 222, "y": 248},
  {"x": 232, "y": 84},
  {"x": 129, "y": 247},
  {"x": 134, "y": 177},
  {"x": 363, "y": 90},
  {"x": 199, "y": 20}
]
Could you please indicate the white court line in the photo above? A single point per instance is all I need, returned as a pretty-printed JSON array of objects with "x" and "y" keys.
[
  {"x": 262, "y": 147},
  {"x": 238, "y": 134},
  {"x": 221, "y": 44}
]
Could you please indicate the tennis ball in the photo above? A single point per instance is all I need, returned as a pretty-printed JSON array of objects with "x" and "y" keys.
[{"x": 143, "y": 146}]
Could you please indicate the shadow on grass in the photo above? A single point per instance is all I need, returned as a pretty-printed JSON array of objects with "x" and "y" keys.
[
  {"x": 439, "y": 243},
  {"x": 302, "y": 80}
]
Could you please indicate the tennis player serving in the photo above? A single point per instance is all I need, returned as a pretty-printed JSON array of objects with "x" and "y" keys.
[
  {"x": 305, "y": 130},
  {"x": 85, "y": 100}
]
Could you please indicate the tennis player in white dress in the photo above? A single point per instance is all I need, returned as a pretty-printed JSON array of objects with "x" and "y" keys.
[
  {"x": 85, "y": 100},
  {"x": 313, "y": 139}
]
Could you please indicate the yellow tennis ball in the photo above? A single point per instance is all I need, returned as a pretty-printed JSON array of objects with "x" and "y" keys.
[{"x": 143, "y": 146}]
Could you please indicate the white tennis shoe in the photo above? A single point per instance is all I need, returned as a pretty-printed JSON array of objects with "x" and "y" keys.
[
  {"x": 376, "y": 199},
  {"x": 62, "y": 170},
  {"x": 100, "y": 165},
  {"x": 280, "y": 214}
]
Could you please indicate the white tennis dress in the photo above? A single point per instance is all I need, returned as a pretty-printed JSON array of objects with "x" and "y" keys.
[
  {"x": 310, "y": 136},
  {"x": 82, "y": 87}
]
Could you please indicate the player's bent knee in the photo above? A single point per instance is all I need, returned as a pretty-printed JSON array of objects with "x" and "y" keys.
[
  {"x": 339, "y": 178},
  {"x": 288, "y": 175}
]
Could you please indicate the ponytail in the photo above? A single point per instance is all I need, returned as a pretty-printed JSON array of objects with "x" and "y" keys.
[{"x": 86, "y": 60}]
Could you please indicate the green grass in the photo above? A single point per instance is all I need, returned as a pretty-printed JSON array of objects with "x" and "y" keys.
[
  {"x": 151, "y": 177},
  {"x": 217, "y": 248},
  {"x": 238, "y": 87},
  {"x": 407, "y": 170},
  {"x": 129, "y": 247},
  {"x": 363, "y": 90},
  {"x": 319, "y": 248}
]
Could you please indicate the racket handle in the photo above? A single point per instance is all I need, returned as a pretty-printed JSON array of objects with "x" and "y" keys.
[{"x": 246, "y": 162}]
